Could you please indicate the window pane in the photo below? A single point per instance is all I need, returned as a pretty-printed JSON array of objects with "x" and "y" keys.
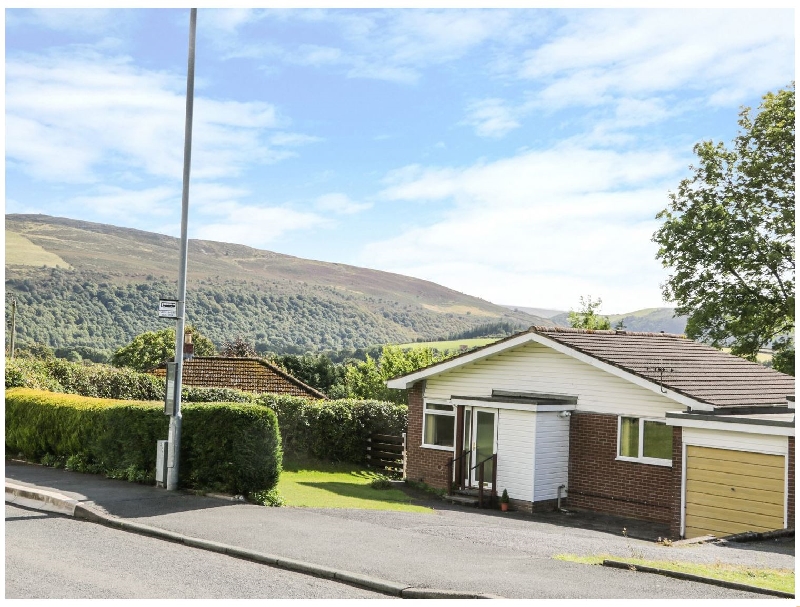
[
  {"x": 439, "y": 430},
  {"x": 439, "y": 407},
  {"x": 629, "y": 437},
  {"x": 657, "y": 440}
]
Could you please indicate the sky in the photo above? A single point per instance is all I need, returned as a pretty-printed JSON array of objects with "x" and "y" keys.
[{"x": 517, "y": 155}]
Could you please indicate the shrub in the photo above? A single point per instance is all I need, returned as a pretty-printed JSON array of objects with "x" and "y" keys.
[
  {"x": 215, "y": 395},
  {"x": 104, "y": 381},
  {"x": 268, "y": 498},
  {"x": 231, "y": 447},
  {"x": 381, "y": 483},
  {"x": 333, "y": 430}
]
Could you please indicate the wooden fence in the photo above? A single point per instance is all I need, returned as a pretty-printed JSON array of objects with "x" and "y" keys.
[{"x": 387, "y": 453}]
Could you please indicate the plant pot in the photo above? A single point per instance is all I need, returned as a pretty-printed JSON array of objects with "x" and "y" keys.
[{"x": 504, "y": 507}]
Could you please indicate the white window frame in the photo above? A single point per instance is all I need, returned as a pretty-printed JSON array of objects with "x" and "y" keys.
[
  {"x": 426, "y": 412},
  {"x": 641, "y": 459}
]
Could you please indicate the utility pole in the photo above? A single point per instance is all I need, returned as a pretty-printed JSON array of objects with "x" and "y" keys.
[{"x": 175, "y": 419}]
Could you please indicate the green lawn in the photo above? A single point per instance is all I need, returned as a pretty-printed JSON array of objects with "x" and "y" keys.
[
  {"x": 315, "y": 484},
  {"x": 774, "y": 579}
]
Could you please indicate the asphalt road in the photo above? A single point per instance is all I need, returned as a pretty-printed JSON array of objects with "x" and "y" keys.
[{"x": 50, "y": 556}]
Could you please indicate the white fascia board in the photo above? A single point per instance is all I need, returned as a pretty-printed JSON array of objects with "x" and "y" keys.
[
  {"x": 510, "y": 405},
  {"x": 405, "y": 382},
  {"x": 730, "y": 426}
]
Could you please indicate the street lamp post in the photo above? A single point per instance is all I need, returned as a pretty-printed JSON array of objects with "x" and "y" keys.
[{"x": 175, "y": 419}]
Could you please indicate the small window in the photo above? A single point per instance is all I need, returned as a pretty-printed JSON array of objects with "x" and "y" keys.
[
  {"x": 440, "y": 426},
  {"x": 645, "y": 440}
]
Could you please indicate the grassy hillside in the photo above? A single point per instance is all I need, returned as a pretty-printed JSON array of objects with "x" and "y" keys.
[
  {"x": 85, "y": 284},
  {"x": 650, "y": 320}
]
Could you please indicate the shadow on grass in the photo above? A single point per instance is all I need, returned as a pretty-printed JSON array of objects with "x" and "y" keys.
[
  {"x": 304, "y": 463},
  {"x": 361, "y": 492}
]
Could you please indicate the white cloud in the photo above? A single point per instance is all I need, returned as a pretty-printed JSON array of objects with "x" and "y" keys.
[
  {"x": 599, "y": 55},
  {"x": 130, "y": 206},
  {"x": 256, "y": 226},
  {"x": 68, "y": 114},
  {"x": 491, "y": 118},
  {"x": 393, "y": 45},
  {"x": 542, "y": 227},
  {"x": 84, "y": 21},
  {"x": 341, "y": 204},
  {"x": 522, "y": 180}
]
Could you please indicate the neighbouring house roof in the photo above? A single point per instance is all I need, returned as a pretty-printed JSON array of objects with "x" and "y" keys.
[
  {"x": 247, "y": 374},
  {"x": 673, "y": 362}
]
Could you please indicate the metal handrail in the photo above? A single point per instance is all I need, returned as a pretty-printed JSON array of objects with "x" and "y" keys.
[
  {"x": 482, "y": 465},
  {"x": 450, "y": 466}
]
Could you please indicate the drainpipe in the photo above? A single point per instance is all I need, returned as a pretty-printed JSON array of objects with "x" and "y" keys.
[{"x": 558, "y": 505}]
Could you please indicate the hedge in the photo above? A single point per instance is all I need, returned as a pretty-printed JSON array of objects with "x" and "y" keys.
[
  {"x": 229, "y": 447},
  {"x": 103, "y": 381},
  {"x": 333, "y": 430}
]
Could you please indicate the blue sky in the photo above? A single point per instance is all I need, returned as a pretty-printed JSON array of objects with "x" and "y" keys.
[{"x": 517, "y": 155}]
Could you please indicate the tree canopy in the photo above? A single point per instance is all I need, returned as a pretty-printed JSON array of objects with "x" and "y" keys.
[
  {"x": 728, "y": 236},
  {"x": 152, "y": 348},
  {"x": 588, "y": 316}
]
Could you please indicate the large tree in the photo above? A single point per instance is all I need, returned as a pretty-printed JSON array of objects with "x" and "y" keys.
[
  {"x": 150, "y": 349},
  {"x": 728, "y": 237}
]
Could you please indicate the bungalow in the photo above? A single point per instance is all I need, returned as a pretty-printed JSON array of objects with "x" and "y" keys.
[
  {"x": 647, "y": 425},
  {"x": 241, "y": 373}
]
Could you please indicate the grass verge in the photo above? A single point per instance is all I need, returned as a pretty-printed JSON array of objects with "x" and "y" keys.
[
  {"x": 774, "y": 579},
  {"x": 311, "y": 483}
]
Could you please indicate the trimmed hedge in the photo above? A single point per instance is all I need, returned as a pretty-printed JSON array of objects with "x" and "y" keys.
[
  {"x": 102, "y": 381},
  {"x": 333, "y": 430},
  {"x": 230, "y": 447}
]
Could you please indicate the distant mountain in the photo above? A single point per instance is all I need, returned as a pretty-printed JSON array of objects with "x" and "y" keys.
[
  {"x": 651, "y": 320},
  {"x": 543, "y": 312},
  {"x": 96, "y": 286}
]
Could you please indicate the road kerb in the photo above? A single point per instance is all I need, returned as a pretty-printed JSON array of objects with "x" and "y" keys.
[
  {"x": 73, "y": 508},
  {"x": 696, "y": 578},
  {"x": 63, "y": 503}
]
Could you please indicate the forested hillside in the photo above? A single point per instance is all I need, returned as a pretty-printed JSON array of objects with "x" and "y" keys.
[{"x": 80, "y": 284}]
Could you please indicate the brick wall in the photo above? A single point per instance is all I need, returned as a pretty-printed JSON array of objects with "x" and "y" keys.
[
  {"x": 677, "y": 477},
  {"x": 790, "y": 495},
  {"x": 598, "y": 482},
  {"x": 426, "y": 465}
]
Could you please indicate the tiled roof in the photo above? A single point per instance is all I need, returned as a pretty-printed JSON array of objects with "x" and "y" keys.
[
  {"x": 247, "y": 374},
  {"x": 680, "y": 364},
  {"x": 675, "y": 362}
]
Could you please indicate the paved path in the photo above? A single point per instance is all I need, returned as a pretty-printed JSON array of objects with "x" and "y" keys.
[{"x": 509, "y": 555}]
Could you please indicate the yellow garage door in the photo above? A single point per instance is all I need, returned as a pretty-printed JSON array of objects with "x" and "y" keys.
[{"x": 731, "y": 492}]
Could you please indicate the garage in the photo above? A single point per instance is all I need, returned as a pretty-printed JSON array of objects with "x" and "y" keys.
[{"x": 730, "y": 491}]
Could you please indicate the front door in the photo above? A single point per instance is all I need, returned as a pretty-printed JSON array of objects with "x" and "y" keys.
[{"x": 482, "y": 431}]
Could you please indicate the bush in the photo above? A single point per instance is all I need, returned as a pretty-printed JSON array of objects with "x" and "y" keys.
[
  {"x": 215, "y": 395},
  {"x": 103, "y": 381},
  {"x": 230, "y": 447},
  {"x": 333, "y": 430}
]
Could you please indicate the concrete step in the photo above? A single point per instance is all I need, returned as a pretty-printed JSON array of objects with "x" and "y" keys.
[{"x": 462, "y": 500}]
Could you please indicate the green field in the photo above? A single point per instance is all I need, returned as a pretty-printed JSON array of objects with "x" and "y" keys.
[{"x": 451, "y": 345}]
